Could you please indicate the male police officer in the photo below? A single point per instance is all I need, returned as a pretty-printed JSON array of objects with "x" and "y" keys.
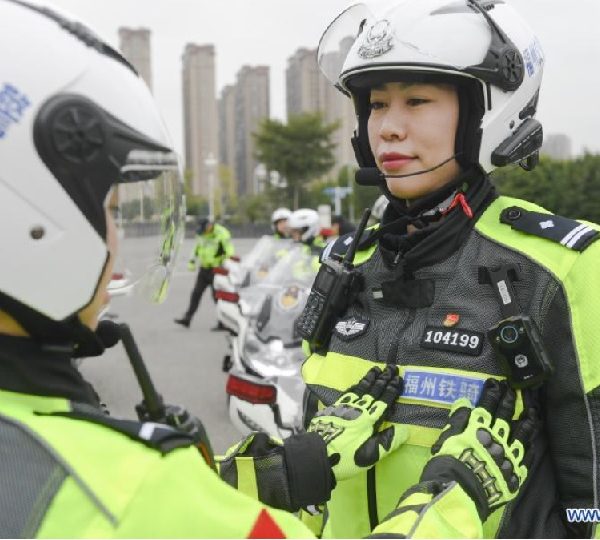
[{"x": 213, "y": 246}]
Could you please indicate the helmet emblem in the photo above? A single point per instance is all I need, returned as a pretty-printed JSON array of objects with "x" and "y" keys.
[{"x": 378, "y": 40}]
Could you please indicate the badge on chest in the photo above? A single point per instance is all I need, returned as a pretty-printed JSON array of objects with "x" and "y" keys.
[{"x": 351, "y": 328}]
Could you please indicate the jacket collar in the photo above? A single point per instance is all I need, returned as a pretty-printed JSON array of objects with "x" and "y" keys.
[
  {"x": 29, "y": 368},
  {"x": 437, "y": 240}
]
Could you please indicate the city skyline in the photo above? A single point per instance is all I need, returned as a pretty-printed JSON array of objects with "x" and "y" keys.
[{"x": 265, "y": 32}]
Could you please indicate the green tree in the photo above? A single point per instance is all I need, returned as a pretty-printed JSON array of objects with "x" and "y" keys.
[
  {"x": 253, "y": 209},
  {"x": 132, "y": 210},
  {"x": 568, "y": 188},
  {"x": 301, "y": 150},
  {"x": 226, "y": 202},
  {"x": 195, "y": 205}
]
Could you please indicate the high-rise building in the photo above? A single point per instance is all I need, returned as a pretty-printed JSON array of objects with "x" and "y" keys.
[
  {"x": 251, "y": 108},
  {"x": 199, "y": 114},
  {"x": 308, "y": 91},
  {"x": 557, "y": 146},
  {"x": 303, "y": 84},
  {"x": 227, "y": 127},
  {"x": 134, "y": 44},
  {"x": 135, "y": 47}
]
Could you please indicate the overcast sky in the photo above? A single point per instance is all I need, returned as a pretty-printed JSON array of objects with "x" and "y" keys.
[{"x": 269, "y": 31}]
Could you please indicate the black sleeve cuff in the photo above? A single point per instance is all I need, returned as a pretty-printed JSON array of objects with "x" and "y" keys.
[
  {"x": 448, "y": 469},
  {"x": 310, "y": 477}
]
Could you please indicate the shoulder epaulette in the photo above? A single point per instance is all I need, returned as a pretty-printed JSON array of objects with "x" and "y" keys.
[
  {"x": 339, "y": 246},
  {"x": 157, "y": 436},
  {"x": 568, "y": 232}
]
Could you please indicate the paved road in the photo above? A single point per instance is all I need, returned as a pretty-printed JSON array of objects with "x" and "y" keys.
[{"x": 185, "y": 364}]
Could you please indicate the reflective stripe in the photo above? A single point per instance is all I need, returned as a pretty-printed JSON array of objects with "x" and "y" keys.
[
  {"x": 336, "y": 371},
  {"x": 246, "y": 476},
  {"x": 578, "y": 236},
  {"x": 572, "y": 238}
]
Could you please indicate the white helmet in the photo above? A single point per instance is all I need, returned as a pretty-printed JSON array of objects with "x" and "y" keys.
[
  {"x": 306, "y": 221},
  {"x": 482, "y": 46},
  {"x": 280, "y": 214},
  {"x": 79, "y": 132}
]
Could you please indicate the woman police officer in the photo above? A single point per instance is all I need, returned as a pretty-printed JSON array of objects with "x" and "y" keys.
[
  {"x": 460, "y": 284},
  {"x": 80, "y": 138}
]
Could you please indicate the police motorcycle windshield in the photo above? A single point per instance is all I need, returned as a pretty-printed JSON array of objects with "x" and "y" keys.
[
  {"x": 253, "y": 296},
  {"x": 286, "y": 291},
  {"x": 148, "y": 208},
  {"x": 386, "y": 37},
  {"x": 263, "y": 258}
]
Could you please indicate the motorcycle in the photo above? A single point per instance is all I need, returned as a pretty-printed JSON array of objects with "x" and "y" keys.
[
  {"x": 264, "y": 385},
  {"x": 237, "y": 274}
]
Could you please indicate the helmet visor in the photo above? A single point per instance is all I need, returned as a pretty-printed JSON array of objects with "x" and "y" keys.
[
  {"x": 431, "y": 35},
  {"x": 149, "y": 210},
  {"x": 338, "y": 39}
]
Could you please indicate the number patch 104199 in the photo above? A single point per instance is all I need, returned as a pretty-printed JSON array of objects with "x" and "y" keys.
[{"x": 460, "y": 341}]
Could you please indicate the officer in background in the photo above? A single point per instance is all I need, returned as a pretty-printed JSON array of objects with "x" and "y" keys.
[
  {"x": 213, "y": 246},
  {"x": 305, "y": 227},
  {"x": 340, "y": 225},
  {"x": 279, "y": 223}
]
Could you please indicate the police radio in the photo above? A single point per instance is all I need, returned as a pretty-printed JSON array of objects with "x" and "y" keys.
[
  {"x": 153, "y": 408},
  {"x": 331, "y": 294},
  {"x": 518, "y": 344}
]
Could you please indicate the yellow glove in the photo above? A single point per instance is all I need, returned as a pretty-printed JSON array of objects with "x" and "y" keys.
[{"x": 350, "y": 427}]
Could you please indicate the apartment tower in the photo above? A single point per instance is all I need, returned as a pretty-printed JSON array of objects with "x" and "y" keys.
[
  {"x": 200, "y": 119},
  {"x": 135, "y": 47},
  {"x": 251, "y": 108}
]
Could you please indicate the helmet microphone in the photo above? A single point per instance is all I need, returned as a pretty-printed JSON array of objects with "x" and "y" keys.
[{"x": 372, "y": 176}]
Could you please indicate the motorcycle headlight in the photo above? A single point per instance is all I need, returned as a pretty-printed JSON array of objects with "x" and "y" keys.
[{"x": 271, "y": 359}]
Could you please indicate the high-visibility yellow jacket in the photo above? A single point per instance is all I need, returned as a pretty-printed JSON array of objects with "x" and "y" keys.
[
  {"x": 429, "y": 312},
  {"x": 212, "y": 248}
]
